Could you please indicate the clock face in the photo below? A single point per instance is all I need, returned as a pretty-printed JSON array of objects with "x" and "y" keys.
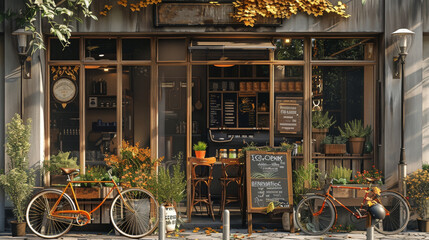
[{"x": 64, "y": 90}]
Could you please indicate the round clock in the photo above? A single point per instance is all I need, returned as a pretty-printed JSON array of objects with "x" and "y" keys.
[{"x": 64, "y": 90}]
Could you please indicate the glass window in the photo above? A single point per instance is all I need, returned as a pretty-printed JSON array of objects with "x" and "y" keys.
[
  {"x": 136, "y": 49},
  {"x": 136, "y": 105},
  {"x": 342, "y": 49},
  {"x": 100, "y": 49},
  {"x": 172, "y": 49},
  {"x": 58, "y": 52},
  {"x": 289, "y": 49},
  {"x": 64, "y": 110},
  {"x": 236, "y": 54},
  {"x": 100, "y": 119}
]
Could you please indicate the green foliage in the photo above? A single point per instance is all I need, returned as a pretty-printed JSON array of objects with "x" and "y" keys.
[
  {"x": 59, "y": 15},
  {"x": 18, "y": 182},
  {"x": 340, "y": 175},
  {"x": 200, "y": 146},
  {"x": 334, "y": 140},
  {"x": 322, "y": 121},
  {"x": 95, "y": 173},
  {"x": 61, "y": 160},
  {"x": 425, "y": 167},
  {"x": 169, "y": 187},
  {"x": 284, "y": 146},
  {"x": 305, "y": 176},
  {"x": 355, "y": 128}
]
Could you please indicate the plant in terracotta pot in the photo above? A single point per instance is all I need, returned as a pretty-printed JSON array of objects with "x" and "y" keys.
[
  {"x": 18, "y": 181},
  {"x": 200, "y": 149},
  {"x": 355, "y": 132},
  {"x": 55, "y": 162},
  {"x": 418, "y": 195},
  {"x": 168, "y": 187},
  {"x": 321, "y": 123}
]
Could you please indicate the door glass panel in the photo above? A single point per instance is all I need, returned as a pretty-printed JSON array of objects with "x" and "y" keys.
[
  {"x": 64, "y": 110},
  {"x": 100, "y": 120},
  {"x": 136, "y": 105},
  {"x": 136, "y": 49},
  {"x": 172, "y": 49},
  {"x": 343, "y": 49}
]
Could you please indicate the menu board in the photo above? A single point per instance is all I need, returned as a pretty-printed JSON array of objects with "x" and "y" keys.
[
  {"x": 289, "y": 116},
  {"x": 230, "y": 110},
  {"x": 215, "y": 109},
  {"x": 246, "y": 111},
  {"x": 268, "y": 179}
]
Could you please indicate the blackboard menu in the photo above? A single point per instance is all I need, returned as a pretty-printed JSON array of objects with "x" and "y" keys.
[
  {"x": 246, "y": 111},
  {"x": 268, "y": 179},
  {"x": 230, "y": 110},
  {"x": 215, "y": 109},
  {"x": 289, "y": 116}
]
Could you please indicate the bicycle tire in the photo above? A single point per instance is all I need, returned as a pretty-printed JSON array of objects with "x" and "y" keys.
[
  {"x": 399, "y": 213},
  {"x": 311, "y": 224},
  {"x": 37, "y": 214},
  {"x": 142, "y": 221}
]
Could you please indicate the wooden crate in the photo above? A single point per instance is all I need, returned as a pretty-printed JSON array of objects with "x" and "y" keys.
[{"x": 335, "y": 148}]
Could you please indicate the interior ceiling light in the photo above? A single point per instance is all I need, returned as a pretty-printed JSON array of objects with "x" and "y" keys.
[
  {"x": 91, "y": 67},
  {"x": 101, "y": 55},
  {"x": 223, "y": 58},
  {"x": 287, "y": 41},
  {"x": 106, "y": 69}
]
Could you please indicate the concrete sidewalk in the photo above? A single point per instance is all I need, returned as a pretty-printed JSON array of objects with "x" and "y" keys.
[{"x": 271, "y": 234}]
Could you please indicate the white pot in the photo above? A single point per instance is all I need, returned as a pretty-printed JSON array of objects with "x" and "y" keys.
[{"x": 170, "y": 218}]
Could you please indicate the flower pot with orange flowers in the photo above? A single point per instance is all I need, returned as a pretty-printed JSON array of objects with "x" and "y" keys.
[{"x": 200, "y": 149}]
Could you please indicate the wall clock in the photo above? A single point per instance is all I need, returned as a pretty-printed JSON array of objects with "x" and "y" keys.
[{"x": 64, "y": 91}]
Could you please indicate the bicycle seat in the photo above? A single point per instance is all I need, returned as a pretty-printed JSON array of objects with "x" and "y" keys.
[
  {"x": 372, "y": 180},
  {"x": 68, "y": 171}
]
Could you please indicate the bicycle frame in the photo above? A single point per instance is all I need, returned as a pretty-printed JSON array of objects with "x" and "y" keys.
[{"x": 57, "y": 214}]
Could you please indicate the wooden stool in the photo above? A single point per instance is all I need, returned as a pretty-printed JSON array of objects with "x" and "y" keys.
[
  {"x": 232, "y": 172},
  {"x": 200, "y": 180}
]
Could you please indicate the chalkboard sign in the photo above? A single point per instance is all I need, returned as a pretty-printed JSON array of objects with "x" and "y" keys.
[
  {"x": 269, "y": 179},
  {"x": 289, "y": 116},
  {"x": 215, "y": 109},
  {"x": 246, "y": 111},
  {"x": 230, "y": 110}
]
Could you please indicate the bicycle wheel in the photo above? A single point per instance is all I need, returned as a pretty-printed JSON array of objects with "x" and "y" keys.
[
  {"x": 398, "y": 213},
  {"x": 315, "y": 215},
  {"x": 136, "y": 214},
  {"x": 38, "y": 214}
]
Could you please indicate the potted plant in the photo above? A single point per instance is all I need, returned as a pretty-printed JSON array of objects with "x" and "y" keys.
[
  {"x": 200, "y": 149},
  {"x": 55, "y": 162},
  {"x": 334, "y": 144},
  {"x": 169, "y": 189},
  {"x": 321, "y": 123},
  {"x": 341, "y": 175},
  {"x": 18, "y": 181},
  {"x": 355, "y": 132},
  {"x": 418, "y": 193}
]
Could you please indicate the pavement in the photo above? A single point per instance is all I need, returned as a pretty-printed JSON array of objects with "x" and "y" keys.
[{"x": 208, "y": 234}]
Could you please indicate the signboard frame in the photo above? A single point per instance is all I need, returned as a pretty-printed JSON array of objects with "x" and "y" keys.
[
  {"x": 289, "y": 102},
  {"x": 251, "y": 209}
]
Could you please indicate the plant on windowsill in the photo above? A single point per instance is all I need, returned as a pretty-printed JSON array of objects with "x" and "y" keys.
[
  {"x": 200, "y": 149},
  {"x": 334, "y": 144},
  {"x": 18, "y": 181},
  {"x": 355, "y": 132},
  {"x": 55, "y": 162},
  {"x": 321, "y": 123},
  {"x": 418, "y": 195}
]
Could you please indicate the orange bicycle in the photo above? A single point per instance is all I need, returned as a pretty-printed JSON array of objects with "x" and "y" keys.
[
  {"x": 51, "y": 213},
  {"x": 316, "y": 213}
]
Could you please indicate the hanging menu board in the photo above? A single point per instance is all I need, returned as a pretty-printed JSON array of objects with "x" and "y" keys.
[
  {"x": 289, "y": 116},
  {"x": 230, "y": 110},
  {"x": 268, "y": 179},
  {"x": 215, "y": 109},
  {"x": 246, "y": 110}
]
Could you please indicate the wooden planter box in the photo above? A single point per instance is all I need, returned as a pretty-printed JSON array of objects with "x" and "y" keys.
[
  {"x": 335, "y": 148},
  {"x": 351, "y": 193},
  {"x": 90, "y": 192},
  {"x": 342, "y": 192}
]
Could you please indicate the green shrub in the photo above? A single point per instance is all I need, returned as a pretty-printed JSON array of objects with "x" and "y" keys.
[
  {"x": 61, "y": 160},
  {"x": 355, "y": 128},
  {"x": 200, "y": 146},
  {"x": 334, "y": 140},
  {"x": 322, "y": 121}
]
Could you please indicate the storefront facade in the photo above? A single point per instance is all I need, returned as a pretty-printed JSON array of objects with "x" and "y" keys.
[{"x": 130, "y": 76}]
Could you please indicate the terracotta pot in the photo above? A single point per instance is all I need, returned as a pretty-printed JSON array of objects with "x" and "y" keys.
[
  {"x": 18, "y": 228},
  {"x": 319, "y": 135},
  {"x": 423, "y": 225},
  {"x": 200, "y": 154},
  {"x": 356, "y": 145}
]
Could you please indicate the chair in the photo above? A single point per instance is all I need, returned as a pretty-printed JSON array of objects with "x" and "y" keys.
[
  {"x": 232, "y": 172},
  {"x": 205, "y": 167}
]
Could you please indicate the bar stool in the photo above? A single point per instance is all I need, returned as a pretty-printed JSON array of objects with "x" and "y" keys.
[
  {"x": 232, "y": 171},
  {"x": 201, "y": 180}
]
